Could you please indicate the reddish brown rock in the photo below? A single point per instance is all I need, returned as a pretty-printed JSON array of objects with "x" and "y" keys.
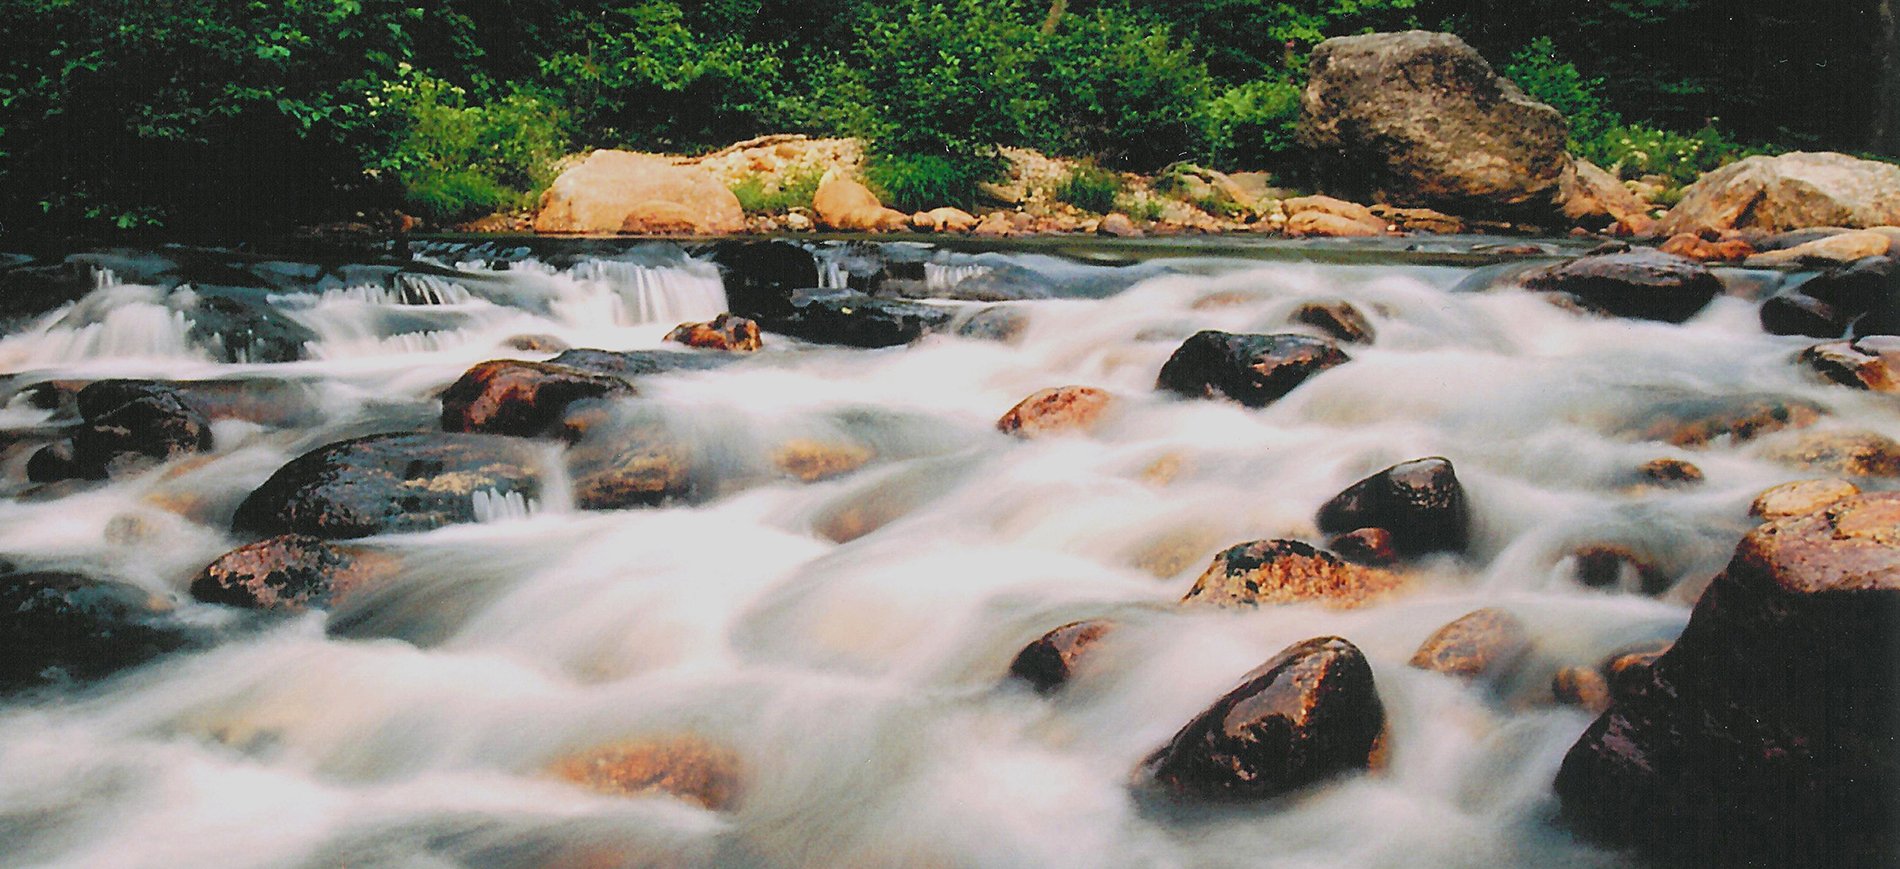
[
  {"x": 289, "y": 572},
  {"x": 1691, "y": 246},
  {"x": 1309, "y": 714},
  {"x": 523, "y": 399},
  {"x": 630, "y": 463},
  {"x": 1765, "y": 734},
  {"x": 725, "y": 332},
  {"x": 1369, "y": 546},
  {"x": 1054, "y": 411},
  {"x": 1481, "y": 643},
  {"x": 1800, "y": 498},
  {"x": 1049, "y": 662},
  {"x": 689, "y": 768},
  {"x": 1670, "y": 472},
  {"x": 1692, "y": 423},
  {"x": 1288, "y": 571}
]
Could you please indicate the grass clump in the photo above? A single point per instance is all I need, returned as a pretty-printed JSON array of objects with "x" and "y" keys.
[
  {"x": 1090, "y": 188},
  {"x": 920, "y": 182},
  {"x": 758, "y": 194}
]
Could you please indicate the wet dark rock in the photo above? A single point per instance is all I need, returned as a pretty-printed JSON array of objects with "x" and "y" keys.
[
  {"x": 1856, "y": 287},
  {"x": 1255, "y": 370},
  {"x": 857, "y": 320},
  {"x": 1049, "y": 662},
  {"x": 1796, "y": 313},
  {"x": 289, "y": 572},
  {"x": 58, "y": 627},
  {"x": 1871, "y": 363},
  {"x": 1287, "y": 571},
  {"x": 761, "y": 276},
  {"x": 125, "y": 424},
  {"x": 243, "y": 326},
  {"x": 1309, "y": 714},
  {"x": 638, "y": 363},
  {"x": 389, "y": 483},
  {"x": 1369, "y": 546},
  {"x": 1608, "y": 565},
  {"x": 1699, "y": 422},
  {"x": 1627, "y": 669},
  {"x": 1419, "y": 501},
  {"x": 54, "y": 462},
  {"x": 1481, "y": 643},
  {"x": 1053, "y": 411},
  {"x": 1339, "y": 320},
  {"x": 1765, "y": 736},
  {"x": 725, "y": 332},
  {"x": 1642, "y": 283},
  {"x": 524, "y": 399}
]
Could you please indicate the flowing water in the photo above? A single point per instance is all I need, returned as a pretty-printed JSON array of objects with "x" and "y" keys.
[{"x": 861, "y": 683}]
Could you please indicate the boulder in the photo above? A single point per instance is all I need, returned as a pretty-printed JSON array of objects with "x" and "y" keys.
[
  {"x": 688, "y": 768},
  {"x": 1321, "y": 224},
  {"x": 1588, "y": 196},
  {"x": 1764, "y": 736},
  {"x": 944, "y": 220},
  {"x": 1349, "y": 211},
  {"x": 621, "y": 191},
  {"x": 811, "y": 461},
  {"x": 1670, "y": 472},
  {"x": 1338, "y": 319},
  {"x": 761, "y": 276},
  {"x": 726, "y": 332},
  {"x": 1420, "y": 502},
  {"x": 1834, "y": 249},
  {"x": 1255, "y": 370},
  {"x": 1118, "y": 225},
  {"x": 60, "y": 627},
  {"x": 1049, "y": 662},
  {"x": 523, "y": 399},
  {"x": 125, "y": 425},
  {"x": 857, "y": 320},
  {"x": 289, "y": 572},
  {"x": 1793, "y": 312},
  {"x": 845, "y": 205},
  {"x": 1288, "y": 571},
  {"x": 1790, "y": 191},
  {"x": 1053, "y": 411},
  {"x": 1308, "y": 714},
  {"x": 1800, "y": 498},
  {"x": 1418, "y": 220},
  {"x": 390, "y": 483},
  {"x": 1642, "y": 283},
  {"x": 620, "y": 462},
  {"x": 1482, "y": 643},
  {"x": 1420, "y": 118},
  {"x": 1688, "y": 245},
  {"x": 1856, "y": 454},
  {"x": 1871, "y": 363},
  {"x": 241, "y": 325}
]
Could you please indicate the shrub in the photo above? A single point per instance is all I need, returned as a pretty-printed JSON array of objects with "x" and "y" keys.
[
  {"x": 1120, "y": 89},
  {"x": 455, "y": 160},
  {"x": 761, "y": 195},
  {"x": 1140, "y": 207},
  {"x": 1090, "y": 188},
  {"x": 919, "y": 182},
  {"x": 943, "y": 77},
  {"x": 1253, "y": 124},
  {"x": 1635, "y": 150},
  {"x": 1550, "y": 79}
]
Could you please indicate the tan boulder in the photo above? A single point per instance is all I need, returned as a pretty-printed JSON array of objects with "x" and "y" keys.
[
  {"x": 1791, "y": 191},
  {"x": 621, "y": 191},
  {"x": 1691, "y": 246},
  {"x": 846, "y": 205},
  {"x": 1843, "y": 248},
  {"x": 944, "y": 220},
  {"x": 1871, "y": 363},
  {"x": 1053, "y": 411},
  {"x": 1352, "y": 211},
  {"x": 1320, "y": 223},
  {"x": 1587, "y": 193},
  {"x": 1419, "y": 219},
  {"x": 1800, "y": 498}
]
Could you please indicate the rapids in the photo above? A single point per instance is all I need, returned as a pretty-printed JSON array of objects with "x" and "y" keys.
[{"x": 861, "y": 683}]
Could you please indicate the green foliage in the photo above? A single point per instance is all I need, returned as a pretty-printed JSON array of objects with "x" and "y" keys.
[
  {"x": 1119, "y": 88},
  {"x": 919, "y": 182},
  {"x": 1253, "y": 124},
  {"x": 1635, "y": 150},
  {"x": 1244, "y": 40},
  {"x": 943, "y": 78},
  {"x": 455, "y": 159},
  {"x": 1090, "y": 188},
  {"x": 1548, "y": 78},
  {"x": 758, "y": 194},
  {"x": 1140, "y": 207}
]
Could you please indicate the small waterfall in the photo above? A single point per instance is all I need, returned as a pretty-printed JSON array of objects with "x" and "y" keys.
[
  {"x": 114, "y": 321},
  {"x": 492, "y": 506},
  {"x": 832, "y": 276},
  {"x": 653, "y": 294},
  {"x": 939, "y": 277}
]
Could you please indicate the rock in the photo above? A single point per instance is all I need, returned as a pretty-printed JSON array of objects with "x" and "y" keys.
[
  {"x": 1117, "y": 225},
  {"x": 617, "y": 463},
  {"x": 1000, "y": 323},
  {"x": 995, "y": 224},
  {"x": 1790, "y": 191},
  {"x": 1323, "y": 225},
  {"x": 1255, "y": 370},
  {"x": 58, "y": 627},
  {"x": 1368, "y": 546},
  {"x": 944, "y": 220},
  {"x": 1338, "y": 319},
  {"x": 1800, "y": 498},
  {"x": 523, "y": 399},
  {"x": 1765, "y": 735},
  {"x": 536, "y": 344},
  {"x": 126, "y": 424},
  {"x": 241, "y": 325},
  {"x": 811, "y": 461},
  {"x": 1868, "y": 363},
  {"x": 636, "y": 363},
  {"x": 1486, "y": 642},
  {"x": 857, "y": 320},
  {"x": 687, "y": 767},
  {"x": 1421, "y": 118},
  {"x": 1049, "y": 662},
  {"x": 289, "y": 572},
  {"x": 1856, "y": 454},
  {"x": 761, "y": 276},
  {"x": 1174, "y": 550},
  {"x": 1691, "y": 246},
  {"x": 1052, "y": 411},
  {"x": 1670, "y": 472},
  {"x": 620, "y": 191},
  {"x": 390, "y": 483},
  {"x": 1857, "y": 287},
  {"x": 1420, "y": 502},
  {"x": 1627, "y": 669},
  {"x": 845, "y": 205},
  {"x": 1418, "y": 220},
  {"x": 1700, "y": 422},
  {"x": 1310, "y": 713},
  {"x": 1587, "y": 195},
  {"x": 726, "y": 332},
  {"x": 1838, "y": 249},
  {"x": 1642, "y": 283},
  {"x": 1287, "y": 571},
  {"x": 1796, "y": 313},
  {"x": 1608, "y": 565},
  {"x": 1581, "y": 686}
]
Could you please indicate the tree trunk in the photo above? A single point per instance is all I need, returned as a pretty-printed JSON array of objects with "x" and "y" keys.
[
  {"x": 1058, "y": 7},
  {"x": 1886, "y": 126}
]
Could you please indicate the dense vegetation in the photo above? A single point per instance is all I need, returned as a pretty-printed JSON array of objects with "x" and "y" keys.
[{"x": 220, "y": 114}]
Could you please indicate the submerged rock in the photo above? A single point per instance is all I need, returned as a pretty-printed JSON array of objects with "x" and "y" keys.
[
  {"x": 726, "y": 332},
  {"x": 58, "y": 627},
  {"x": 243, "y": 326},
  {"x": 1420, "y": 502},
  {"x": 1482, "y": 643},
  {"x": 688, "y": 768},
  {"x": 390, "y": 483},
  {"x": 1765, "y": 735},
  {"x": 811, "y": 460},
  {"x": 1287, "y": 571},
  {"x": 1339, "y": 320},
  {"x": 1642, "y": 283},
  {"x": 1856, "y": 454},
  {"x": 630, "y": 462},
  {"x": 637, "y": 363},
  {"x": 523, "y": 399},
  {"x": 1699, "y": 422},
  {"x": 1053, "y": 411},
  {"x": 858, "y": 320},
  {"x": 125, "y": 424},
  {"x": 1255, "y": 370},
  {"x": 761, "y": 276},
  {"x": 1049, "y": 662},
  {"x": 289, "y": 572},
  {"x": 1310, "y": 713}
]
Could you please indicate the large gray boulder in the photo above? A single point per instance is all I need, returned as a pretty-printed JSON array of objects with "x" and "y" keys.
[
  {"x": 1421, "y": 118},
  {"x": 1791, "y": 191}
]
